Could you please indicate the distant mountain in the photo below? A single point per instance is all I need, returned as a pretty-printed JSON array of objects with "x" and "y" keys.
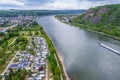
[
  {"x": 12, "y": 12},
  {"x": 104, "y": 19}
]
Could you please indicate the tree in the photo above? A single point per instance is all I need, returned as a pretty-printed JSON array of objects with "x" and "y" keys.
[
  {"x": 1, "y": 33},
  {"x": 29, "y": 33},
  {"x": 16, "y": 75},
  {"x": 56, "y": 77},
  {"x": 36, "y": 33},
  {"x": 15, "y": 78},
  {"x": 34, "y": 23},
  {"x": 0, "y": 77},
  {"x": 57, "y": 70}
]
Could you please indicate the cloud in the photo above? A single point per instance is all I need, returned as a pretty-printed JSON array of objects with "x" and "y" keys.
[
  {"x": 59, "y": 5},
  {"x": 70, "y": 4},
  {"x": 36, "y": 2},
  {"x": 53, "y": 4},
  {"x": 12, "y": 2}
]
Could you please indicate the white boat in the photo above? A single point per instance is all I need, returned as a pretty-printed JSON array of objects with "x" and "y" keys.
[{"x": 109, "y": 48}]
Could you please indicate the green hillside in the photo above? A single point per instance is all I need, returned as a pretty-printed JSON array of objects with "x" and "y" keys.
[{"x": 104, "y": 19}]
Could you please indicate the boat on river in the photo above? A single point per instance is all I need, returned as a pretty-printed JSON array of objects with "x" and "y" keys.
[{"x": 111, "y": 49}]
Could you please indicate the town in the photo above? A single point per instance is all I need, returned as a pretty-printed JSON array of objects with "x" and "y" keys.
[
  {"x": 20, "y": 20},
  {"x": 66, "y": 18},
  {"x": 9, "y": 22},
  {"x": 29, "y": 53},
  {"x": 36, "y": 63}
]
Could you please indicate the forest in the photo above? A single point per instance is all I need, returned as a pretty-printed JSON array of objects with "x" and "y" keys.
[{"x": 105, "y": 19}]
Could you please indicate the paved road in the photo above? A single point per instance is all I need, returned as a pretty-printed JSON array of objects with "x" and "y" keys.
[
  {"x": 46, "y": 78},
  {"x": 5, "y": 29},
  {"x": 58, "y": 66}
]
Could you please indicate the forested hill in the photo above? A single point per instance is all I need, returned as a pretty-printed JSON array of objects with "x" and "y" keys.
[
  {"x": 13, "y": 13},
  {"x": 104, "y": 19}
]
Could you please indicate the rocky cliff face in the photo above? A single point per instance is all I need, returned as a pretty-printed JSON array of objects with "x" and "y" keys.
[
  {"x": 103, "y": 19},
  {"x": 95, "y": 16},
  {"x": 103, "y": 14}
]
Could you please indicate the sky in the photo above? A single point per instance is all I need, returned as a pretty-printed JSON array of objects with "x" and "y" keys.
[{"x": 54, "y": 4}]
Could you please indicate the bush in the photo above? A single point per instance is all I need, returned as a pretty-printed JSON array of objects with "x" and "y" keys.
[
  {"x": 57, "y": 70},
  {"x": 0, "y": 77},
  {"x": 56, "y": 77},
  {"x": 1, "y": 33}
]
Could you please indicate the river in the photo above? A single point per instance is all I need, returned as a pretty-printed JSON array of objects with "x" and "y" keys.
[{"x": 84, "y": 58}]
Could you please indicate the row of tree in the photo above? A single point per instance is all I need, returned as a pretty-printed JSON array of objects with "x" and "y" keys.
[
  {"x": 17, "y": 75},
  {"x": 53, "y": 63}
]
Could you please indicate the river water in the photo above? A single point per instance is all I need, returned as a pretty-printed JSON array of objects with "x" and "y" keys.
[{"x": 84, "y": 58}]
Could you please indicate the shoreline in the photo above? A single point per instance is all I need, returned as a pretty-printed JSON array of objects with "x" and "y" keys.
[
  {"x": 59, "y": 57},
  {"x": 90, "y": 30},
  {"x": 98, "y": 32},
  {"x": 63, "y": 65}
]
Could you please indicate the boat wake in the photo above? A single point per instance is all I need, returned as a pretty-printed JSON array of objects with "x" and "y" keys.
[{"x": 111, "y": 49}]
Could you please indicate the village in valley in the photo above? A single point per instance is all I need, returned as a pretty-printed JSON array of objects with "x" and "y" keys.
[
  {"x": 10, "y": 22},
  {"x": 36, "y": 62},
  {"x": 33, "y": 58},
  {"x": 20, "y": 20},
  {"x": 29, "y": 53}
]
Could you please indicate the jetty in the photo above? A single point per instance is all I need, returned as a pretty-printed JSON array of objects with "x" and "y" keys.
[{"x": 111, "y": 49}]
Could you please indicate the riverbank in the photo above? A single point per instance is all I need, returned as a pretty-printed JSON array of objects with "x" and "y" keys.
[
  {"x": 59, "y": 58},
  {"x": 62, "y": 61},
  {"x": 87, "y": 29},
  {"x": 81, "y": 60}
]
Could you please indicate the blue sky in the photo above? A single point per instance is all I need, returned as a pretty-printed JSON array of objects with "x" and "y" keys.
[{"x": 54, "y": 4}]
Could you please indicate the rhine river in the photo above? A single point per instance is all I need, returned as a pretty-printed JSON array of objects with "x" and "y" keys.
[{"x": 84, "y": 58}]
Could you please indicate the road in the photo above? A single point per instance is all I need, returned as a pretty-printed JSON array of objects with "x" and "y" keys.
[
  {"x": 9, "y": 64},
  {"x": 47, "y": 78},
  {"x": 12, "y": 41},
  {"x": 5, "y": 29},
  {"x": 58, "y": 66}
]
